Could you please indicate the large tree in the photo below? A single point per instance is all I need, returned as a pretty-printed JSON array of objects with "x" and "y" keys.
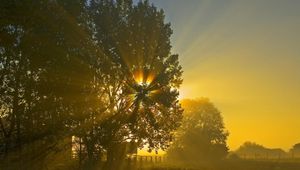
[
  {"x": 100, "y": 70},
  {"x": 48, "y": 67},
  {"x": 143, "y": 90}
]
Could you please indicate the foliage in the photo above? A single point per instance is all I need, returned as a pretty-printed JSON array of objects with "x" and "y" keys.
[
  {"x": 98, "y": 70},
  {"x": 251, "y": 150},
  {"x": 295, "y": 151},
  {"x": 201, "y": 139}
]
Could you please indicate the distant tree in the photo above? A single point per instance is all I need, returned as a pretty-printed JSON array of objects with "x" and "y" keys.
[
  {"x": 201, "y": 139},
  {"x": 295, "y": 150},
  {"x": 251, "y": 150}
]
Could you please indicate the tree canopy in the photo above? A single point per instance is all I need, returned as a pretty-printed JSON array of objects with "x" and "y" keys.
[
  {"x": 201, "y": 139},
  {"x": 251, "y": 150},
  {"x": 295, "y": 150},
  {"x": 98, "y": 70}
]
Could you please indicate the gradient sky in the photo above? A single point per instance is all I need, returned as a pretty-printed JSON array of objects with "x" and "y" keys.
[{"x": 244, "y": 56}]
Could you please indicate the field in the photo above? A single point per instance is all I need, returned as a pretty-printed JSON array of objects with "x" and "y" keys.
[
  {"x": 224, "y": 165},
  {"x": 237, "y": 165}
]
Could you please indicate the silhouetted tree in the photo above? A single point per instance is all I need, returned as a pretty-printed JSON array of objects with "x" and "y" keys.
[
  {"x": 201, "y": 139},
  {"x": 251, "y": 150},
  {"x": 99, "y": 70},
  {"x": 295, "y": 150},
  {"x": 48, "y": 60},
  {"x": 143, "y": 92}
]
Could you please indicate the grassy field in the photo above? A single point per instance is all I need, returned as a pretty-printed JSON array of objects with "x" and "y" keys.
[
  {"x": 236, "y": 165},
  {"x": 225, "y": 165}
]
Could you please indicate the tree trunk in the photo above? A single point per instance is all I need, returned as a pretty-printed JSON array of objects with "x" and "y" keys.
[
  {"x": 90, "y": 148},
  {"x": 6, "y": 144},
  {"x": 116, "y": 154}
]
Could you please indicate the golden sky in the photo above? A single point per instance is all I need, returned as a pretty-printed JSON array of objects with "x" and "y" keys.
[{"x": 245, "y": 57}]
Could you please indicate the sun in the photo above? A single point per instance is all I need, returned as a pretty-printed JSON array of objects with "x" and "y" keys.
[{"x": 142, "y": 77}]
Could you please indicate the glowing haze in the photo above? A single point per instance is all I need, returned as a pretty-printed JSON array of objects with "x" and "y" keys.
[{"x": 245, "y": 57}]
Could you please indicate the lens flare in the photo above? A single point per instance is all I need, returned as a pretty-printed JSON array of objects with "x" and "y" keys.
[
  {"x": 138, "y": 77},
  {"x": 143, "y": 78}
]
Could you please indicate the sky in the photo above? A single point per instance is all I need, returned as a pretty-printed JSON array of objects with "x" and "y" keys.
[{"x": 245, "y": 56}]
